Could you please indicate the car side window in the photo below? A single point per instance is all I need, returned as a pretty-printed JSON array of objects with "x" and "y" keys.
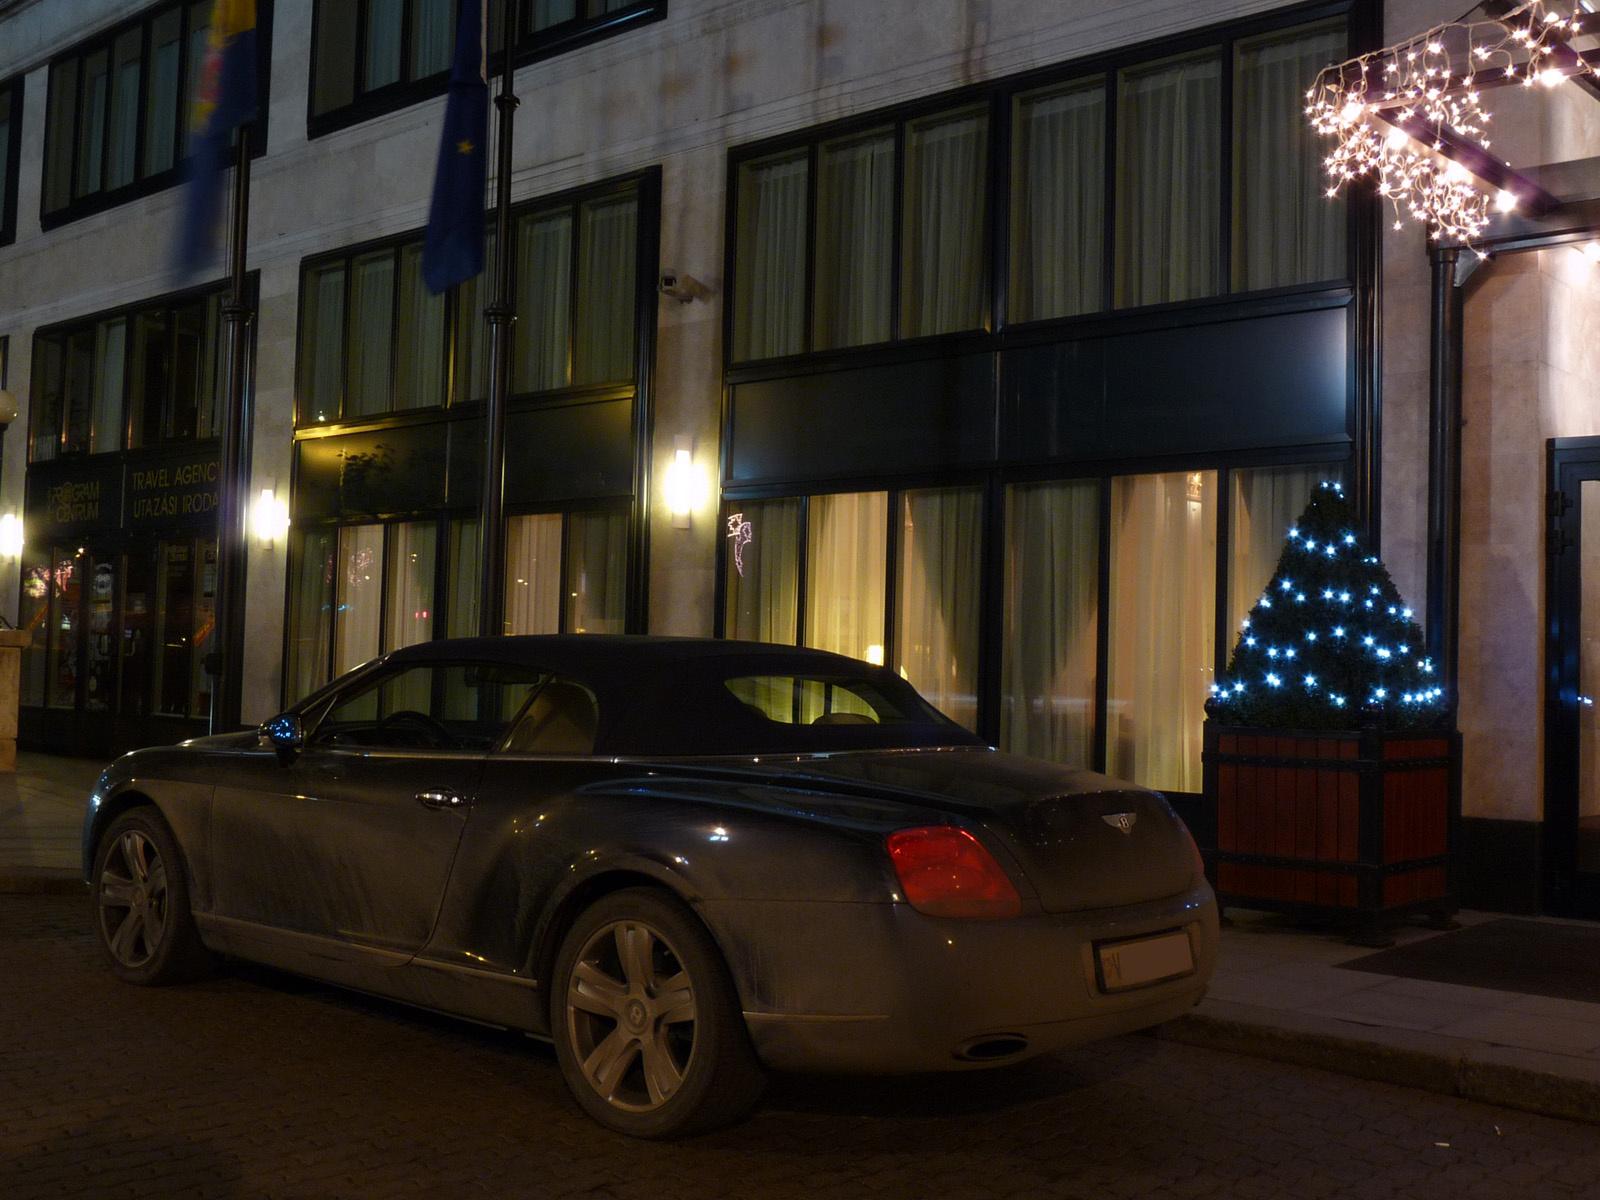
[
  {"x": 432, "y": 706},
  {"x": 561, "y": 719},
  {"x": 795, "y": 700}
]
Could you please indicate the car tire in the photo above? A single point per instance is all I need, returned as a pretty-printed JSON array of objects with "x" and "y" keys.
[
  {"x": 141, "y": 903},
  {"x": 647, "y": 1026}
]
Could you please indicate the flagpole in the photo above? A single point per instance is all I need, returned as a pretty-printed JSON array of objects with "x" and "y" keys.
[
  {"x": 502, "y": 315},
  {"x": 229, "y": 628}
]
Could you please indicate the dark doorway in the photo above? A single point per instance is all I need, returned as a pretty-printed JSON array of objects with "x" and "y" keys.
[{"x": 1572, "y": 702}]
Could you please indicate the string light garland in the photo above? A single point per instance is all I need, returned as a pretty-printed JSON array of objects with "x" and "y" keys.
[
  {"x": 1400, "y": 115},
  {"x": 1348, "y": 642}
]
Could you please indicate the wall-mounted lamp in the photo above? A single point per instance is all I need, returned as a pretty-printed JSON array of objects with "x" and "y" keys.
[
  {"x": 10, "y": 536},
  {"x": 686, "y": 486},
  {"x": 8, "y": 408},
  {"x": 269, "y": 517}
]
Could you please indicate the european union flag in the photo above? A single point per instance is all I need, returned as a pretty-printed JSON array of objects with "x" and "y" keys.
[
  {"x": 224, "y": 99},
  {"x": 453, "y": 252}
]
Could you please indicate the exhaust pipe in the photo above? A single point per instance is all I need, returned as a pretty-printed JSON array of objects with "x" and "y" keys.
[{"x": 992, "y": 1047}]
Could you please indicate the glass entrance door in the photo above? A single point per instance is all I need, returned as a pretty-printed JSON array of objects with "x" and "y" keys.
[{"x": 1572, "y": 710}]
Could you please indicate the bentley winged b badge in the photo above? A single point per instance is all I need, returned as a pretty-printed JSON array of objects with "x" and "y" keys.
[{"x": 1122, "y": 821}]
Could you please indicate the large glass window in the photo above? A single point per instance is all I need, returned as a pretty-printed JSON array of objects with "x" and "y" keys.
[
  {"x": 844, "y": 251},
  {"x": 938, "y": 588},
  {"x": 1107, "y": 669},
  {"x": 1058, "y": 200},
  {"x": 1052, "y": 569},
  {"x": 567, "y": 572},
  {"x": 1168, "y": 159},
  {"x": 371, "y": 56},
  {"x": 846, "y": 550},
  {"x": 374, "y": 340},
  {"x": 358, "y": 591},
  {"x": 770, "y": 296},
  {"x": 855, "y": 240},
  {"x": 855, "y": 236},
  {"x": 1162, "y": 626},
  {"x": 118, "y": 109},
  {"x": 145, "y": 377},
  {"x": 1285, "y": 228}
]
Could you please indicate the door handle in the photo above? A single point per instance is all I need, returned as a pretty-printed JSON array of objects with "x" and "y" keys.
[{"x": 440, "y": 800}]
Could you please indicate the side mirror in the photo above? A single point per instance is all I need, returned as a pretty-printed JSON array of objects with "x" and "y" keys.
[{"x": 285, "y": 732}]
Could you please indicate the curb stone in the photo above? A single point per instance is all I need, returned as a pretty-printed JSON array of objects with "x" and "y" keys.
[{"x": 1477, "y": 1071}]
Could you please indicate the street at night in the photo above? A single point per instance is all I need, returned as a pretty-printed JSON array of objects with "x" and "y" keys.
[{"x": 257, "y": 1084}]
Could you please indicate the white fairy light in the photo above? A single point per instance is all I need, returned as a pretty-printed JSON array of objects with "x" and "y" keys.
[{"x": 1388, "y": 110}]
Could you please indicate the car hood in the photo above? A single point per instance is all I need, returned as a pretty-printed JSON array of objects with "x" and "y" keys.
[{"x": 1082, "y": 840}]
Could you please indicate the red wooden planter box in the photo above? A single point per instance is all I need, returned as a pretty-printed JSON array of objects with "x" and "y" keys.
[{"x": 1354, "y": 824}]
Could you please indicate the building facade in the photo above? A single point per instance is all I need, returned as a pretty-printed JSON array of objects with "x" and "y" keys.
[{"x": 1009, "y": 334}]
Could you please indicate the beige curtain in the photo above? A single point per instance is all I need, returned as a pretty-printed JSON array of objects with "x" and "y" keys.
[
  {"x": 1161, "y": 626},
  {"x": 937, "y": 589},
  {"x": 1168, "y": 125},
  {"x": 770, "y": 291},
  {"x": 359, "y": 605},
  {"x": 1058, "y": 205},
  {"x": 855, "y": 240},
  {"x": 1051, "y": 622},
  {"x": 410, "y": 592},
  {"x": 533, "y": 574},
  {"x": 597, "y": 572},
  {"x": 846, "y": 567},
  {"x": 544, "y": 284},
  {"x": 763, "y": 570},
  {"x": 1265, "y": 502},
  {"x": 943, "y": 253},
  {"x": 1286, "y": 229},
  {"x": 603, "y": 352}
]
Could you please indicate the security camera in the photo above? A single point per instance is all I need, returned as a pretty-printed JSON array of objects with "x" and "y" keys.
[{"x": 682, "y": 288}]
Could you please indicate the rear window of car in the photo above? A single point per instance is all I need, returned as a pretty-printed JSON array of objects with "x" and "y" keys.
[{"x": 802, "y": 700}]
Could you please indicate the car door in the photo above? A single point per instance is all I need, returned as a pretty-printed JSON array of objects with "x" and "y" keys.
[{"x": 353, "y": 837}]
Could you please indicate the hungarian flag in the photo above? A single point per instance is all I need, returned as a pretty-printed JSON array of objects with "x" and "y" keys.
[
  {"x": 453, "y": 251},
  {"x": 225, "y": 98}
]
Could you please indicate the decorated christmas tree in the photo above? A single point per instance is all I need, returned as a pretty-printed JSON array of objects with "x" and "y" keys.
[{"x": 1330, "y": 645}]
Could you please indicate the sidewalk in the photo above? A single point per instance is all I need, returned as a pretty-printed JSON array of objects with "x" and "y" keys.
[
  {"x": 41, "y": 819},
  {"x": 1280, "y": 992}
]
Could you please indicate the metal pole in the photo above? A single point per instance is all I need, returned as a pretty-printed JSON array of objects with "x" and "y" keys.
[
  {"x": 1444, "y": 465},
  {"x": 229, "y": 628},
  {"x": 502, "y": 315}
]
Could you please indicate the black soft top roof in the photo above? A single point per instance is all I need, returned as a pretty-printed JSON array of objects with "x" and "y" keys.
[{"x": 665, "y": 695}]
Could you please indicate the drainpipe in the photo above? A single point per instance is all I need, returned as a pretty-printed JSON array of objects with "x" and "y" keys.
[{"x": 1444, "y": 466}]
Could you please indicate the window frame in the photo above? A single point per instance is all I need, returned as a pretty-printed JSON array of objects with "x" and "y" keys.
[
  {"x": 13, "y": 88},
  {"x": 445, "y": 524},
  {"x": 1000, "y": 97},
  {"x": 532, "y": 46},
  {"x": 995, "y": 528},
  {"x": 142, "y": 184},
  {"x": 458, "y": 372},
  {"x": 170, "y": 304}
]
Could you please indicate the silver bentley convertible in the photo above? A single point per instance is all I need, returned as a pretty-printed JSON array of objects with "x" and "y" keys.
[{"x": 683, "y": 861}]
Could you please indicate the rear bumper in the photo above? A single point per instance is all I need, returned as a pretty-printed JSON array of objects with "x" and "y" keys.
[{"x": 882, "y": 988}]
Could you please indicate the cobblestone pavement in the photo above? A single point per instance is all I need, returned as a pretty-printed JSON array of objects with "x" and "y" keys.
[{"x": 259, "y": 1085}]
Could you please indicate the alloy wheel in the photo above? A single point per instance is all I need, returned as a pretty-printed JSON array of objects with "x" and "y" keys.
[
  {"x": 631, "y": 1016},
  {"x": 133, "y": 899}
]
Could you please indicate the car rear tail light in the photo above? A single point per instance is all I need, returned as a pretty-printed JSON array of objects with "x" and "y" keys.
[{"x": 945, "y": 872}]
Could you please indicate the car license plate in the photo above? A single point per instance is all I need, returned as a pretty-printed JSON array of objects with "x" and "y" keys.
[{"x": 1140, "y": 961}]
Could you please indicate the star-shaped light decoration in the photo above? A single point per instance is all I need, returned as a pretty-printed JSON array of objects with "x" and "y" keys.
[{"x": 1412, "y": 115}]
